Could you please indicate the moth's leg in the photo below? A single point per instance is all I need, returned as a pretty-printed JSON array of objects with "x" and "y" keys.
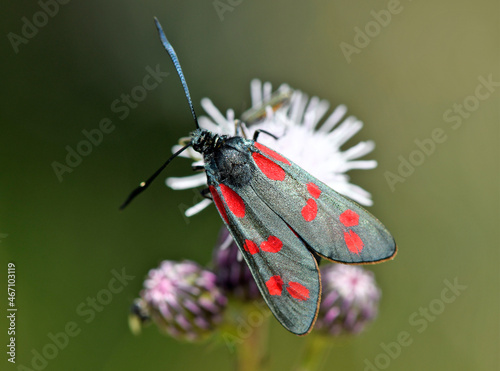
[
  {"x": 205, "y": 193},
  {"x": 258, "y": 131},
  {"x": 198, "y": 167},
  {"x": 239, "y": 129}
]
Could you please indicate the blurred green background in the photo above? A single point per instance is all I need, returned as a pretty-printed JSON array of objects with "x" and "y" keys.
[{"x": 66, "y": 237}]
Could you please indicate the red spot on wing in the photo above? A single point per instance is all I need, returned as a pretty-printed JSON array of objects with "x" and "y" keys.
[
  {"x": 349, "y": 218},
  {"x": 251, "y": 247},
  {"x": 310, "y": 211},
  {"x": 233, "y": 201},
  {"x": 275, "y": 285},
  {"x": 313, "y": 190},
  {"x": 271, "y": 169},
  {"x": 271, "y": 153},
  {"x": 298, "y": 291},
  {"x": 353, "y": 242},
  {"x": 273, "y": 244},
  {"x": 218, "y": 203}
]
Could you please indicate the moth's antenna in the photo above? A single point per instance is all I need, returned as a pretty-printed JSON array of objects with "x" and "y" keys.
[
  {"x": 142, "y": 187},
  {"x": 171, "y": 52}
]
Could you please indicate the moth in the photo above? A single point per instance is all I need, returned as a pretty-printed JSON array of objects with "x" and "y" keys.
[{"x": 283, "y": 219}]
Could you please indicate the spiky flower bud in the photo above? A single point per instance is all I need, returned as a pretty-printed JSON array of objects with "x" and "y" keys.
[
  {"x": 183, "y": 299},
  {"x": 349, "y": 300},
  {"x": 233, "y": 274}
]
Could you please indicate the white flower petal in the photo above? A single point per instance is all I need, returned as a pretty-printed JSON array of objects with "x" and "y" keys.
[
  {"x": 256, "y": 92},
  {"x": 366, "y": 165},
  {"x": 227, "y": 242},
  {"x": 208, "y": 124},
  {"x": 321, "y": 110},
  {"x": 267, "y": 91},
  {"x": 333, "y": 119},
  {"x": 230, "y": 115},
  {"x": 347, "y": 129},
  {"x": 314, "y": 112},
  {"x": 359, "y": 195},
  {"x": 359, "y": 150},
  {"x": 269, "y": 113},
  {"x": 214, "y": 113},
  {"x": 197, "y": 208},
  {"x": 297, "y": 106},
  {"x": 284, "y": 87},
  {"x": 186, "y": 182}
]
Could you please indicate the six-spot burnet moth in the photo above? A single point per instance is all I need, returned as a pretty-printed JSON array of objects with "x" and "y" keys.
[{"x": 282, "y": 218}]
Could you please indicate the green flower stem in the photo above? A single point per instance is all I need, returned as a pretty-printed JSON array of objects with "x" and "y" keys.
[
  {"x": 245, "y": 333},
  {"x": 251, "y": 352},
  {"x": 317, "y": 349}
]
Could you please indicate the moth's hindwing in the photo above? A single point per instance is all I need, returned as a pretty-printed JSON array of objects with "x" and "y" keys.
[
  {"x": 335, "y": 227},
  {"x": 283, "y": 268}
]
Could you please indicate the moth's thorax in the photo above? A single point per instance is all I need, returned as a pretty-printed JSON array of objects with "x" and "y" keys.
[{"x": 226, "y": 158}]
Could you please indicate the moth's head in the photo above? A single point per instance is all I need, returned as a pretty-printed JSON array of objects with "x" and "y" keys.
[{"x": 204, "y": 141}]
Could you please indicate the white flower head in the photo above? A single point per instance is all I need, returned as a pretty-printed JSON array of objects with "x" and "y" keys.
[{"x": 314, "y": 147}]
